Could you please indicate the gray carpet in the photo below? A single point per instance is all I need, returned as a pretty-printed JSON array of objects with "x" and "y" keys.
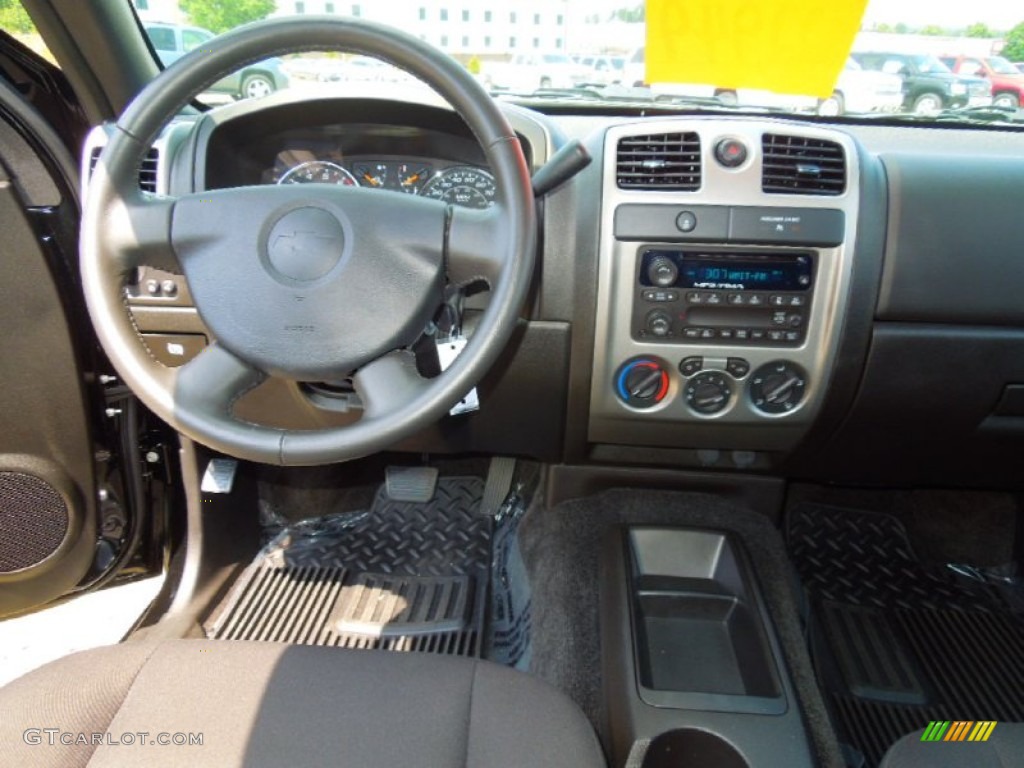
[{"x": 561, "y": 548}]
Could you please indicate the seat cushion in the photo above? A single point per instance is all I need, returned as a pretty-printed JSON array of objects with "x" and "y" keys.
[
  {"x": 1004, "y": 749},
  {"x": 265, "y": 704}
]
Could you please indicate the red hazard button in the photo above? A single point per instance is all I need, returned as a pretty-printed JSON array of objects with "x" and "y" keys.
[{"x": 731, "y": 153}]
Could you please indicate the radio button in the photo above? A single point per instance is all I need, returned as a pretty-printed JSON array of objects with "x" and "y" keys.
[
  {"x": 777, "y": 301},
  {"x": 755, "y": 300},
  {"x": 792, "y": 335},
  {"x": 777, "y": 335},
  {"x": 796, "y": 301},
  {"x": 742, "y": 334},
  {"x": 725, "y": 333},
  {"x": 736, "y": 298},
  {"x": 779, "y": 318},
  {"x": 690, "y": 365},
  {"x": 691, "y": 333},
  {"x": 795, "y": 320},
  {"x": 695, "y": 298},
  {"x": 707, "y": 333},
  {"x": 714, "y": 298},
  {"x": 757, "y": 334}
]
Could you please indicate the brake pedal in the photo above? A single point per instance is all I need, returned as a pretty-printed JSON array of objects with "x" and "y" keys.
[{"x": 410, "y": 484}]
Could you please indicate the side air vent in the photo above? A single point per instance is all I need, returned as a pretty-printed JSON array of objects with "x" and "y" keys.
[
  {"x": 147, "y": 171},
  {"x": 659, "y": 161},
  {"x": 798, "y": 165}
]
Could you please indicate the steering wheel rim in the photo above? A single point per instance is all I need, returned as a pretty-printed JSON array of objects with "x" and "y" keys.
[{"x": 123, "y": 228}]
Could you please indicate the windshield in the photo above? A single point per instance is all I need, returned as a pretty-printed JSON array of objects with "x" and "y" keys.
[{"x": 868, "y": 58}]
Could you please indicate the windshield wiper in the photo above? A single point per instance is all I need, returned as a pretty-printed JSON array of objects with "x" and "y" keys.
[
  {"x": 628, "y": 99},
  {"x": 962, "y": 115}
]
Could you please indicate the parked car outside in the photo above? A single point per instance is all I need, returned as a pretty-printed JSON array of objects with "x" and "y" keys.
[
  {"x": 1007, "y": 81},
  {"x": 172, "y": 41},
  {"x": 859, "y": 90},
  {"x": 528, "y": 72},
  {"x": 604, "y": 70},
  {"x": 929, "y": 86}
]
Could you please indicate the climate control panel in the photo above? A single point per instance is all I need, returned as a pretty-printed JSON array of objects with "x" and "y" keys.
[{"x": 711, "y": 386}]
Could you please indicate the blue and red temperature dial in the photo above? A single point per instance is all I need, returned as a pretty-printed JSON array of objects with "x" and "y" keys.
[{"x": 641, "y": 382}]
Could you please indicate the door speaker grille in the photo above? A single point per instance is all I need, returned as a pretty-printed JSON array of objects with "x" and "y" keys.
[{"x": 34, "y": 520}]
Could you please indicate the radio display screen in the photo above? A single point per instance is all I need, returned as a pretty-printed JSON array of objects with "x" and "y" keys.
[{"x": 738, "y": 272}]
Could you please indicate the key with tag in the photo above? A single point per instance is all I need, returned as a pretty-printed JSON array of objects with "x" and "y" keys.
[{"x": 447, "y": 351}]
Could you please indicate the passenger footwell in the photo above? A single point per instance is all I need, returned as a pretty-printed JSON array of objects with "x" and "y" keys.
[{"x": 897, "y": 643}]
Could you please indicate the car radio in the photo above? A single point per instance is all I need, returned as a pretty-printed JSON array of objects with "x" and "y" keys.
[{"x": 753, "y": 298}]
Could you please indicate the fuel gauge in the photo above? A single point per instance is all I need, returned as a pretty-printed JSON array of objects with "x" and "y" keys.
[
  {"x": 412, "y": 177},
  {"x": 371, "y": 174}
]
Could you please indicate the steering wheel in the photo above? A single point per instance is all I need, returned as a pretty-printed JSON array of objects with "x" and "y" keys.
[{"x": 307, "y": 282}]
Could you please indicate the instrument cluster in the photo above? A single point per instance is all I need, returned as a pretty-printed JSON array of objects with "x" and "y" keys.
[{"x": 464, "y": 185}]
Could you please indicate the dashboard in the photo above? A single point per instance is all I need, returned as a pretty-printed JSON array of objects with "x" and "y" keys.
[{"x": 725, "y": 293}]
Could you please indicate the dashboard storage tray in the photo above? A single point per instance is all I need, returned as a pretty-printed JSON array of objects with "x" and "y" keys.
[{"x": 699, "y": 639}]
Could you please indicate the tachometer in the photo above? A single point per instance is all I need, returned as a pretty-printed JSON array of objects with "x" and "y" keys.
[
  {"x": 462, "y": 185},
  {"x": 318, "y": 172}
]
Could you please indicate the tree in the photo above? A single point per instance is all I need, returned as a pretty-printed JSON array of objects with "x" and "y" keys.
[
  {"x": 630, "y": 15},
  {"x": 883, "y": 27},
  {"x": 980, "y": 29},
  {"x": 901, "y": 29},
  {"x": 934, "y": 30},
  {"x": 14, "y": 18},
  {"x": 222, "y": 15},
  {"x": 1014, "y": 48}
]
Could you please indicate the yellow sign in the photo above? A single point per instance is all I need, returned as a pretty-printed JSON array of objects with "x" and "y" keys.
[{"x": 786, "y": 46}]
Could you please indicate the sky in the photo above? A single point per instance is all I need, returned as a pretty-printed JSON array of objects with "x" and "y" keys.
[{"x": 998, "y": 14}]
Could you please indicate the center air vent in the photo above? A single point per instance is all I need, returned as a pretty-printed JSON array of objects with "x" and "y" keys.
[
  {"x": 147, "y": 171},
  {"x": 659, "y": 161},
  {"x": 798, "y": 165}
]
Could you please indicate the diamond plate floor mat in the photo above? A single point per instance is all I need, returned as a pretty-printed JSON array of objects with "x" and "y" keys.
[
  {"x": 403, "y": 576},
  {"x": 897, "y": 643}
]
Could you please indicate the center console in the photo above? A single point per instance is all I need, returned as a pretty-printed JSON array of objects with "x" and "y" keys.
[
  {"x": 694, "y": 674},
  {"x": 724, "y": 268}
]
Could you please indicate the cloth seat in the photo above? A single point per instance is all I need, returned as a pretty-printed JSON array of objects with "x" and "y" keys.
[
  {"x": 1004, "y": 749},
  {"x": 267, "y": 704}
]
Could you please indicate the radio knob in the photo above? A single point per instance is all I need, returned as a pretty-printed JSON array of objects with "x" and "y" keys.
[
  {"x": 659, "y": 323},
  {"x": 708, "y": 392},
  {"x": 777, "y": 387},
  {"x": 662, "y": 271}
]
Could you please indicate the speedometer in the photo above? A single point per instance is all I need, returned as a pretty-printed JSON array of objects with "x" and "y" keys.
[
  {"x": 318, "y": 172},
  {"x": 462, "y": 185}
]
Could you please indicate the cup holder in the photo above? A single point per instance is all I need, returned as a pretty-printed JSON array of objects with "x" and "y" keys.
[{"x": 692, "y": 748}]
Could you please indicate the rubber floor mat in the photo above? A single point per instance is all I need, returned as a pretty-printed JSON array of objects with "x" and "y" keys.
[
  {"x": 404, "y": 576},
  {"x": 897, "y": 643}
]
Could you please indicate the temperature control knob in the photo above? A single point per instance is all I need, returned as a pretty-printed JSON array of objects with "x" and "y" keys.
[
  {"x": 708, "y": 392},
  {"x": 641, "y": 383},
  {"x": 662, "y": 271},
  {"x": 777, "y": 387}
]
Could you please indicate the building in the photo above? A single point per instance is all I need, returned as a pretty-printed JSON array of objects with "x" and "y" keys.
[{"x": 487, "y": 29}]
